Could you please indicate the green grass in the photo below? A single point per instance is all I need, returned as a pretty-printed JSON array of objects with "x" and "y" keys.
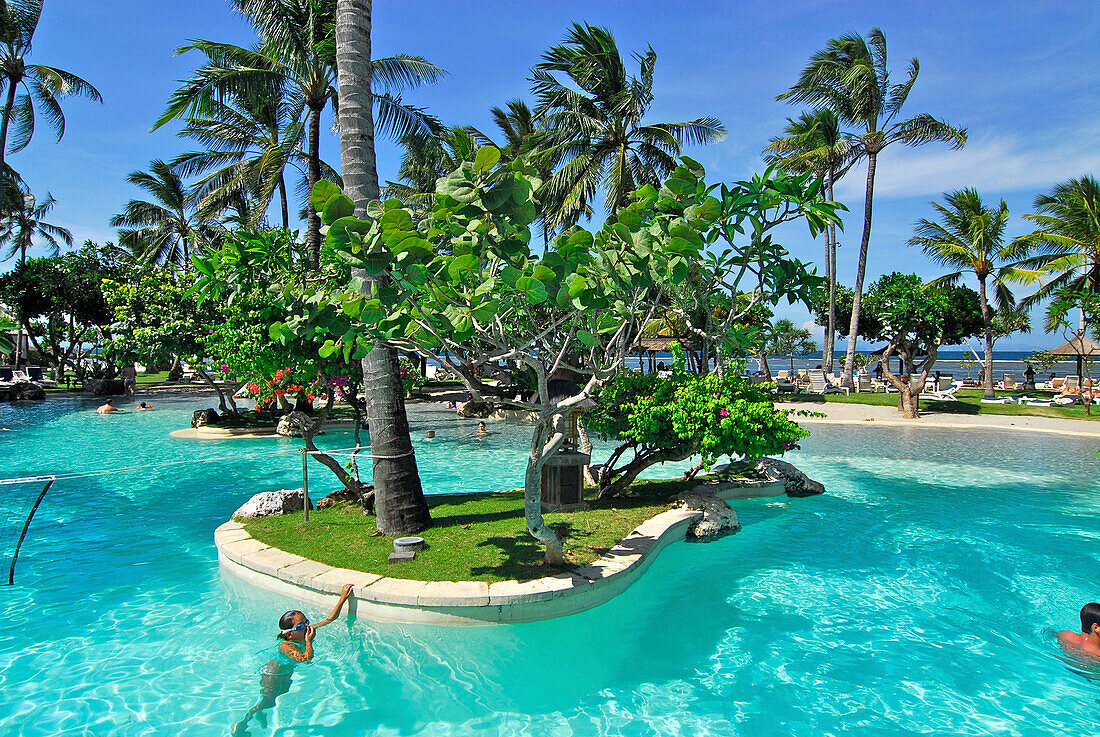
[
  {"x": 969, "y": 404},
  {"x": 475, "y": 537}
]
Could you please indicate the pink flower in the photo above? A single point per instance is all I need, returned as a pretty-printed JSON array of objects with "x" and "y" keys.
[
  {"x": 723, "y": 412},
  {"x": 225, "y": 368}
]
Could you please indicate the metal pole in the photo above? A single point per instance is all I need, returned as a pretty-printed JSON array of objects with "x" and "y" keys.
[
  {"x": 23, "y": 534},
  {"x": 305, "y": 482}
]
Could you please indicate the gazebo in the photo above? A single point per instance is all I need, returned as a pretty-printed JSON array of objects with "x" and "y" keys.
[
  {"x": 1081, "y": 346},
  {"x": 650, "y": 347}
]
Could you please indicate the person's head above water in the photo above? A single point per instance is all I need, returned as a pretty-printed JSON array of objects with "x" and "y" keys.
[
  {"x": 481, "y": 427},
  {"x": 291, "y": 623},
  {"x": 1090, "y": 618}
]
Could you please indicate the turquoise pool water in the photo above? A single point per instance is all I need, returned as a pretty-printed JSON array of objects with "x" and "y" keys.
[{"x": 916, "y": 597}]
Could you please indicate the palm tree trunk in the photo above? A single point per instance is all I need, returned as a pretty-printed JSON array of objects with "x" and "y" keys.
[
  {"x": 987, "y": 322},
  {"x": 400, "y": 507},
  {"x": 830, "y": 274},
  {"x": 861, "y": 271},
  {"x": 9, "y": 103},
  {"x": 313, "y": 232},
  {"x": 282, "y": 202}
]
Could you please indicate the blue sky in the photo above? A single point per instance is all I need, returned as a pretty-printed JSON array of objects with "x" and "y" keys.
[{"x": 1022, "y": 76}]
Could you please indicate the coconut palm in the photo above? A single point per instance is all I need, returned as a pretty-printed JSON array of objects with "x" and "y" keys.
[
  {"x": 816, "y": 143},
  {"x": 523, "y": 135},
  {"x": 24, "y": 228},
  {"x": 970, "y": 237},
  {"x": 168, "y": 227},
  {"x": 297, "y": 49},
  {"x": 42, "y": 86},
  {"x": 850, "y": 77},
  {"x": 426, "y": 159},
  {"x": 593, "y": 110},
  {"x": 400, "y": 507},
  {"x": 251, "y": 137},
  {"x": 1065, "y": 248}
]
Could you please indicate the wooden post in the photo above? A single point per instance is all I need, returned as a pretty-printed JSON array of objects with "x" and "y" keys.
[{"x": 305, "y": 482}]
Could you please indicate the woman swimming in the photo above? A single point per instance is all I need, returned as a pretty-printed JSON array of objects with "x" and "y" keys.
[{"x": 296, "y": 635}]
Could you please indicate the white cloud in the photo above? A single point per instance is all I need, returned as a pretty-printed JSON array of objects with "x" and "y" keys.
[
  {"x": 817, "y": 331},
  {"x": 992, "y": 164}
]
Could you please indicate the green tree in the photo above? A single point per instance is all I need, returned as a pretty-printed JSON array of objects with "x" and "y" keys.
[
  {"x": 24, "y": 226},
  {"x": 1065, "y": 246},
  {"x": 970, "y": 237},
  {"x": 785, "y": 339},
  {"x": 850, "y": 77},
  {"x": 167, "y": 228},
  {"x": 426, "y": 159},
  {"x": 42, "y": 86},
  {"x": 400, "y": 506},
  {"x": 593, "y": 110},
  {"x": 297, "y": 49},
  {"x": 816, "y": 143},
  {"x": 915, "y": 319}
]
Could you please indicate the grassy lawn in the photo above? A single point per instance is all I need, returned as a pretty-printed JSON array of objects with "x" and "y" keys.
[
  {"x": 969, "y": 404},
  {"x": 476, "y": 537}
]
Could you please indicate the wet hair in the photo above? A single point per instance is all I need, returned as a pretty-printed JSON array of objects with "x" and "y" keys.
[
  {"x": 286, "y": 622},
  {"x": 1090, "y": 615}
]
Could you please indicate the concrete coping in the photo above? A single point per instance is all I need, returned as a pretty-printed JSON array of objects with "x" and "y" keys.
[{"x": 388, "y": 598}]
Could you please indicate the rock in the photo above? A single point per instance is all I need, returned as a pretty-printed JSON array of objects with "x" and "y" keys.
[
  {"x": 293, "y": 424},
  {"x": 106, "y": 387},
  {"x": 475, "y": 408},
  {"x": 204, "y": 417},
  {"x": 718, "y": 519},
  {"x": 796, "y": 482},
  {"x": 271, "y": 503},
  {"x": 344, "y": 495},
  {"x": 22, "y": 390}
]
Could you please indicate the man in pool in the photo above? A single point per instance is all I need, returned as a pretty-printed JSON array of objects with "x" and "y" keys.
[
  {"x": 1088, "y": 642},
  {"x": 295, "y": 646},
  {"x": 108, "y": 408}
]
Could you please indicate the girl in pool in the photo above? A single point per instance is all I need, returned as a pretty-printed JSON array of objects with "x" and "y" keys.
[{"x": 295, "y": 646}]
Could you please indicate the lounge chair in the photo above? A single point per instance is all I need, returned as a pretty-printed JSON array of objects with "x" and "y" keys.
[
  {"x": 943, "y": 391},
  {"x": 782, "y": 376},
  {"x": 998, "y": 400},
  {"x": 1009, "y": 382},
  {"x": 1054, "y": 385},
  {"x": 820, "y": 385},
  {"x": 863, "y": 383},
  {"x": 35, "y": 372}
]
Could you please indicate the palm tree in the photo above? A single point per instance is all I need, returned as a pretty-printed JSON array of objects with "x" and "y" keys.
[
  {"x": 850, "y": 77},
  {"x": 969, "y": 237},
  {"x": 24, "y": 227},
  {"x": 167, "y": 228},
  {"x": 816, "y": 143},
  {"x": 1066, "y": 244},
  {"x": 42, "y": 85},
  {"x": 400, "y": 507},
  {"x": 426, "y": 159},
  {"x": 593, "y": 110},
  {"x": 251, "y": 138},
  {"x": 297, "y": 50},
  {"x": 524, "y": 136}
]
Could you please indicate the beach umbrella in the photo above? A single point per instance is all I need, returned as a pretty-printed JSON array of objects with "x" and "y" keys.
[{"x": 1081, "y": 346}]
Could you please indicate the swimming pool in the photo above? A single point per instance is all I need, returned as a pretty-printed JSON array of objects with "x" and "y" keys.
[{"x": 912, "y": 598}]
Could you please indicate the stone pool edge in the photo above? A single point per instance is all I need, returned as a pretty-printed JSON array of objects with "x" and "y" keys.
[{"x": 388, "y": 599}]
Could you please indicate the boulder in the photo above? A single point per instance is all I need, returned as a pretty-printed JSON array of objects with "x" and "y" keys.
[
  {"x": 21, "y": 390},
  {"x": 293, "y": 424},
  {"x": 476, "y": 409},
  {"x": 271, "y": 503},
  {"x": 106, "y": 387},
  {"x": 796, "y": 482},
  {"x": 204, "y": 417},
  {"x": 718, "y": 519},
  {"x": 344, "y": 495}
]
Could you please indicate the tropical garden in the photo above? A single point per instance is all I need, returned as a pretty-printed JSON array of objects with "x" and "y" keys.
[{"x": 551, "y": 246}]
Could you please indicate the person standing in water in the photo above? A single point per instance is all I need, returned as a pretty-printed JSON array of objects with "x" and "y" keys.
[
  {"x": 295, "y": 646},
  {"x": 1088, "y": 642}
]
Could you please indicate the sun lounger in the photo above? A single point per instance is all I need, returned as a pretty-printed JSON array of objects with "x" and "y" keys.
[
  {"x": 1008, "y": 383},
  {"x": 998, "y": 400},
  {"x": 783, "y": 375},
  {"x": 1055, "y": 385},
  {"x": 819, "y": 385},
  {"x": 35, "y": 372},
  {"x": 863, "y": 383}
]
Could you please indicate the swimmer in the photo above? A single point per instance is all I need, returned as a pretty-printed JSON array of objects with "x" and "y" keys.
[
  {"x": 430, "y": 434},
  {"x": 481, "y": 431},
  {"x": 295, "y": 646},
  {"x": 142, "y": 407},
  {"x": 451, "y": 405},
  {"x": 108, "y": 408},
  {"x": 1088, "y": 642}
]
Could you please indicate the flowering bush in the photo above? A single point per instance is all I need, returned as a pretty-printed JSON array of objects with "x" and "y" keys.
[{"x": 410, "y": 375}]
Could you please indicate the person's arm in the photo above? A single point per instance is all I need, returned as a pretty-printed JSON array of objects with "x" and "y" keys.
[
  {"x": 294, "y": 653},
  {"x": 344, "y": 594}
]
